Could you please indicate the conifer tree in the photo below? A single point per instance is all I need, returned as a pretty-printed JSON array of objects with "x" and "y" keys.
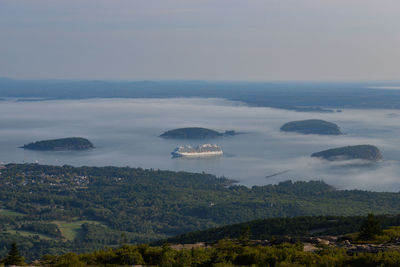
[
  {"x": 370, "y": 228},
  {"x": 13, "y": 257},
  {"x": 245, "y": 236}
]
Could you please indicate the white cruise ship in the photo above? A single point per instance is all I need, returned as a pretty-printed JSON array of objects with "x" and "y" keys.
[{"x": 200, "y": 151}]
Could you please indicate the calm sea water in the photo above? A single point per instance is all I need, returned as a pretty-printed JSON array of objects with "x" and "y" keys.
[{"x": 125, "y": 133}]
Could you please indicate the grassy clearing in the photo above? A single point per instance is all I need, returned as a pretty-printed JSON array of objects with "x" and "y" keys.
[
  {"x": 71, "y": 230},
  {"x": 30, "y": 234},
  {"x": 7, "y": 212}
]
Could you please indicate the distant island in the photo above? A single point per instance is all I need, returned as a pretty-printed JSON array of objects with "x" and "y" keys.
[
  {"x": 365, "y": 152},
  {"x": 195, "y": 133},
  {"x": 312, "y": 127},
  {"x": 71, "y": 143}
]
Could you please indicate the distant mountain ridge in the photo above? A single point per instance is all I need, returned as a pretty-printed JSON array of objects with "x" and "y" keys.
[{"x": 300, "y": 96}]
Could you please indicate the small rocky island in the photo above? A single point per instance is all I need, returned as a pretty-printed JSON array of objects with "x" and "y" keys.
[
  {"x": 312, "y": 127},
  {"x": 365, "y": 152},
  {"x": 71, "y": 143},
  {"x": 195, "y": 133}
]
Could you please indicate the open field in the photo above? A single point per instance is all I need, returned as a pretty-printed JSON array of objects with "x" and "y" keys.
[
  {"x": 7, "y": 212},
  {"x": 71, "y": 230},
  {"x": 30, "y": 234}
]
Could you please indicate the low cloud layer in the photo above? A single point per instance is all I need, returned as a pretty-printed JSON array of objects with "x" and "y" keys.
[{"x": 125, "y": 133}]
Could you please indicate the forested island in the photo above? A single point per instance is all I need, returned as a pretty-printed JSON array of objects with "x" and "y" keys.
[
  {"x": 55, "y": 209},
  {"x": 70, "y": 143},
  {"x": 364, "y": 152},
  {"x": 195, "y": 133},
  {"x": 312, "y": 127}
]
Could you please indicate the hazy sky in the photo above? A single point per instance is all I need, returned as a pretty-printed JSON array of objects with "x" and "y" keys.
[{"x": 201, "y": 39}]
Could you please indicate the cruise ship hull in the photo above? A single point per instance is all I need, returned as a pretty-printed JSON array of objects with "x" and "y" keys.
[{"x": 197, "y": 154}]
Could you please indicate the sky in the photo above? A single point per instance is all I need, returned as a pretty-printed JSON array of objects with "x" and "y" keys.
[{"x": 200, "y": 39}]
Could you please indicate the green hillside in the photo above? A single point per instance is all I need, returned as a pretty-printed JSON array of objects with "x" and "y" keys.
[
  {"x": 297, "y": 227},
  {"x": 95, "y": 207}
]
